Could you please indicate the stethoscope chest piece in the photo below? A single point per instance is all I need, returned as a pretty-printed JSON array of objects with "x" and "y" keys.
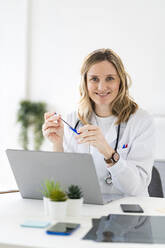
[{"x": 108, "y": 179}]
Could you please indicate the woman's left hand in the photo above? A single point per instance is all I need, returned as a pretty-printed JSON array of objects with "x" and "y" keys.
[{"x": 93, "y": 136}]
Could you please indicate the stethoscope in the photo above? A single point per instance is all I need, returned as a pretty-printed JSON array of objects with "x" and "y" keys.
[{"x": 108, "y": 179}]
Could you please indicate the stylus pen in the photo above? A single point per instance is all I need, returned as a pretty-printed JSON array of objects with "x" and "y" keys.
[{"x": 73, "y": 129}]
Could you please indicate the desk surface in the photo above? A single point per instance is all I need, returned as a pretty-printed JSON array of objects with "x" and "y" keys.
[{"x": 14, "y": 210}]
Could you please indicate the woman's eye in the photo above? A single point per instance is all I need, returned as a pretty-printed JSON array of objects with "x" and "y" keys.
[
  {"x": 95, "y": 79},
  {"x": 110, "y": 78}
]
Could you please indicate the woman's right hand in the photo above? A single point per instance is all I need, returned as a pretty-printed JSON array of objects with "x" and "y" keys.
[{"x": 53, "y": 129}]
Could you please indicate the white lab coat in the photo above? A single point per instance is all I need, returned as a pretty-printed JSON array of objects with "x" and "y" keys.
[{"x": 131, "y": 175}]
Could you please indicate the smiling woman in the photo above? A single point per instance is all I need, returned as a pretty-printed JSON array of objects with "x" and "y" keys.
[
  {"x": 105, "y": 79},
  {"x": 111, "y": 127}
]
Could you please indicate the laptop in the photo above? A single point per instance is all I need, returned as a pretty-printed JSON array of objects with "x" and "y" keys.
[{"x": 32, "y": 168}]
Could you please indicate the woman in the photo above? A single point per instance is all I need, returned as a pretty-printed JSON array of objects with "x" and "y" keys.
[{"x": 111, "y": 127}]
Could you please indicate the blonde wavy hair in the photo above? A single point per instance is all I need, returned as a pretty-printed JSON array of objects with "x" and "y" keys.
[{"x": 123, "y": 105}]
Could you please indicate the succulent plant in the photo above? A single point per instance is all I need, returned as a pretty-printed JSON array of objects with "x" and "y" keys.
[
  {"x": 74, "y": 192},
  {"x": 58, "y": 195},
  {"x": 48, "y": 187}
]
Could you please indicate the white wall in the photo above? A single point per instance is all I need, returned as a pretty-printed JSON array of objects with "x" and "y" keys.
[
  {"x": 12, "y": 78},
  {"x": 64, "y": 32},
  {"x": 160, "y": 137}
]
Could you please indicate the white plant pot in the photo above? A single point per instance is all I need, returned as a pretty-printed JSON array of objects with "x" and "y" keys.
[
  {"x": 74, "y": 207},
  {"x": 46, "y": 205},
  {"x": 57, "y": 210}
]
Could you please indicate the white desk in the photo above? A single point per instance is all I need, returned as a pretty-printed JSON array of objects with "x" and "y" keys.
[{"x": 14, "y": 210}]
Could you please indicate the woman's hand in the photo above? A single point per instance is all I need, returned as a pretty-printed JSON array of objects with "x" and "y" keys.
[
  {"x": 92, "y": 135},
  {"x": 53, "y": 129}
]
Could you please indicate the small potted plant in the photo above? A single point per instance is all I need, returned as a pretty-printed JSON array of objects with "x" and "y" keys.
[
  {"x": 75, "y": 200},
  {"x": 57, "y": 203},
  {"x": 47, "y": 188}
]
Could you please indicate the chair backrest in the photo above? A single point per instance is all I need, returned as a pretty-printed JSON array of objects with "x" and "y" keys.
[{"x": 155, "y": 186}]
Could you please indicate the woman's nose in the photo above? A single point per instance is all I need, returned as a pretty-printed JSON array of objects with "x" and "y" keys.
[{"x": 102, "y": 85}]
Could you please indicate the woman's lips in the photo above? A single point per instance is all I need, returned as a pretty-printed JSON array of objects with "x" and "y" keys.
[{"x": 103, "y": 94}]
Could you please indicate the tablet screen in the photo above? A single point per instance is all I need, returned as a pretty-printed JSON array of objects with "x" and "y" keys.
[{"x": 128, "y": 228}]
